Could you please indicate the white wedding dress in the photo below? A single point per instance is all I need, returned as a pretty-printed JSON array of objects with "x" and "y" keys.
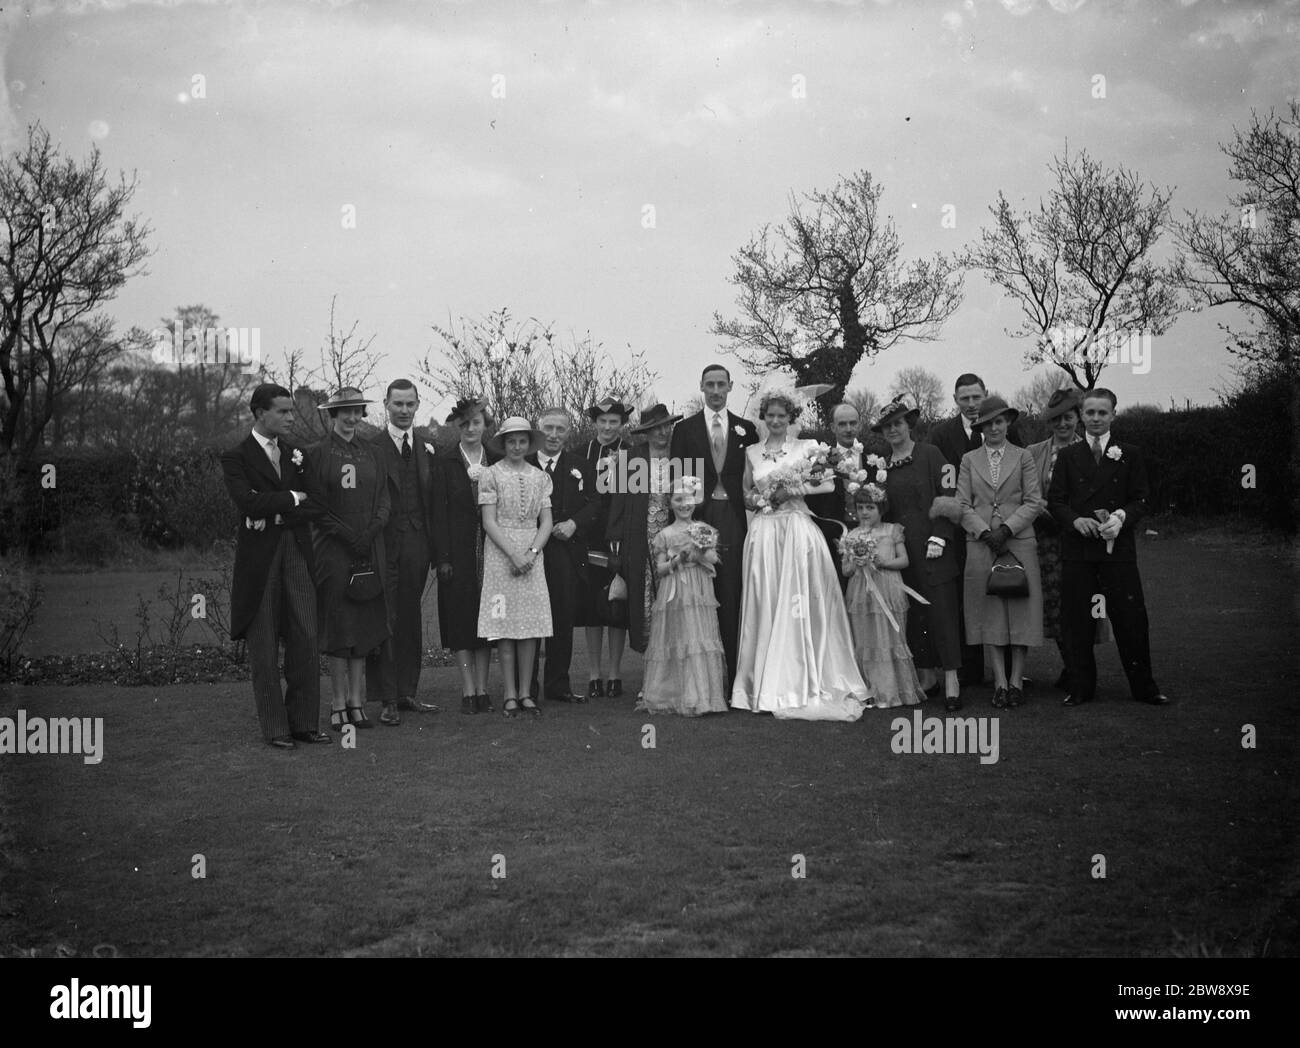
[{"x": 795, "y": 654}]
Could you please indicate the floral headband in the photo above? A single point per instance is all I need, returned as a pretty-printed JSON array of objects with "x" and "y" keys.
[{"x": 691, "y": 486}]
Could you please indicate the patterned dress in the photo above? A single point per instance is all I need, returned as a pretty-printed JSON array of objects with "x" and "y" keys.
[
  {"x": 514, "y": 607},
  {"x": 881, "y": 650},
  {"x": 685, "y": 667}
]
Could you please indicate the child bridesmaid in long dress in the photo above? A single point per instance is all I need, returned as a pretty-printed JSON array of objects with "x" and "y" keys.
[
  {"x": 875, "y": 555},
  {"x": 685, "y": 668}
]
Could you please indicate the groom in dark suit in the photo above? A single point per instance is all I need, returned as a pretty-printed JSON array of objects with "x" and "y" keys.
[
  {"x": 415, "y": 537},
  {"x": 1098, "y": 495},
  {"x": 272, "y": 594},
  {"x": 718, "y": 439},
  {"x": 575, "y": 504}
]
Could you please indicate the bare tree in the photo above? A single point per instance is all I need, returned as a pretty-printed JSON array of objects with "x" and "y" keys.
[
  {"x": 1080, "y": 266},
  {"x": 1032, "y": 398},
  {"x": 828, "y": 287},
  {"x": 66, "y": 248},
  {"x": 1251, "y": 256},
  {"x": 920, "y": 388},
  {"x": 521, "y": 367}
]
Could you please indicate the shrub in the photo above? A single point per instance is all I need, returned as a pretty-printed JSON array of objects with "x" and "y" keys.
[{"x": 20, "y": 597}]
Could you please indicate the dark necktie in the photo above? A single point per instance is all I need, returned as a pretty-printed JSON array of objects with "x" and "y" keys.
[
  {"x": 406, "y": 446},
  {"x": 550, "y": 467},
  {"x": 1096, "y": 450}
]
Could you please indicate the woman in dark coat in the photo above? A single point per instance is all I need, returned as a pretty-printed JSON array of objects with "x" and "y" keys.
[
  {"x": 915, "y": 478},
  {"x": 595, "y": 610},
  {"x": 347, "y": 540},
  {"x": 639, "y": 510},
  {"x": 460, "y": 577}
]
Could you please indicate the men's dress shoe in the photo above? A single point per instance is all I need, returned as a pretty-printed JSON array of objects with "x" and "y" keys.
[
  {"x": 953, "y": 704},
  {"x": 1026, "y": 683},
  {"x": 484, "y": 704},
  {"x": 1156, "y": 700},
  {"x": 1074, "y": 700},
  {"x": 568, "y": 696},
  {"x": 390, "y": 716},
  {"x": 406, "y": 702},
  {"x": 283, "y": 742},
  {"x": 933, "y": 690},
  {"x": 614, "y": 689},
  {"x": 313, "y": 736},
  {"x": 469, "y": 704},
  {"x": 595, "y": 690}
]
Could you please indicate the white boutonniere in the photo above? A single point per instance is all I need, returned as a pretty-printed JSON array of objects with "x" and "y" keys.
[
  {"x": 1114, "y": 453},
  {"x": 296, "y": 457},
  {"x": 740, "y": 430},
  {"x": 576, "y": 474},
  {"x": 429, "y": 448}
]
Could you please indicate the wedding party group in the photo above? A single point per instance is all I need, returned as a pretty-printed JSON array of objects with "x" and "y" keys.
[{"x": 754, "y": 570}]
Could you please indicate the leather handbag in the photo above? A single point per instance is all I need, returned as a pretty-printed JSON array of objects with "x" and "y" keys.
[
  {"x": 1007, "y": 577},
  {"x": 364, "y": 583}
]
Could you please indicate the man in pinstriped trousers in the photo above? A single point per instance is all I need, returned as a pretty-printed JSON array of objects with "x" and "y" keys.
[{"x": 272, "y": 594}]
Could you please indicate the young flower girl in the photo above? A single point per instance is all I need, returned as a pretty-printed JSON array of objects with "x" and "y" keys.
[
  {"x": 874, "y": 554},
  {"x": 685, "y": 668}
]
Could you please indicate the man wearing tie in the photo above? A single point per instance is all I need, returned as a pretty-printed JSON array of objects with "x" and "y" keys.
[
  {"x": 414, "y": 537},
  {"x": 575, "y": 504},
  {"x": 1098, "y": 494},
  {"x": 718, "y": 438},
  {"x": 272, "y": 594}
]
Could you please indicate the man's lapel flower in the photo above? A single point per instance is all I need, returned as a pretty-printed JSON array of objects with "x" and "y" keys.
[
  {"x": 429, "y": 448},
  {"x": 576, "y": 474},
  {"x": 739, "y": 430},
  {"x": 296, "y": 457},
  {"x": 1114, "y": 453}
]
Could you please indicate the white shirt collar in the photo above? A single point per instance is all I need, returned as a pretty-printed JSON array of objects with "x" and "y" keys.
[
  {"x": 266, "y": 442},
  {"x": 966, "y": 425},
  {"x": 719, "y": 416},
  {"x": 544, "y": 458},
  {"x": 397, "y": 435}
]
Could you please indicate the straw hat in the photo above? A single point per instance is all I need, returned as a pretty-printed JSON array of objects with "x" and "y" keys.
[{"x": 515, "y": 424}]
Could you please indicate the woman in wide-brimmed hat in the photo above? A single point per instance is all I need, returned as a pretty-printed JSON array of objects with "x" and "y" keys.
[
  {"x": 1062, "y": 416},
  {"x": 515, "y": 605},
  {"x": 348, "y": 541},
  {"x": 460, "y": 577},
  {"x": 638, "y": 510},
  {"x": 1000, "y": 497},
  {"x": 595, "y": 611},
  {"x": 918, "y": 480}
]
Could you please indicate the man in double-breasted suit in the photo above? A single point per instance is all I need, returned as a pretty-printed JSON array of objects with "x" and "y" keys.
[
  {"x": 1098, "y": 495},
  {"x": 272, "y": 594},
  {"x": 575, "y": 504},
  {"x": 415, "y": 537},
  {"x": 717, "y": 439}
]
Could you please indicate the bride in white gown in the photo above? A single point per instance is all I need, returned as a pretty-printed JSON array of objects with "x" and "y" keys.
[{"x": 795, "y": 655}]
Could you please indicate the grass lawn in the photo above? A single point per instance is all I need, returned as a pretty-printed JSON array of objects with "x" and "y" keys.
[{"x": 611, "y": 848}]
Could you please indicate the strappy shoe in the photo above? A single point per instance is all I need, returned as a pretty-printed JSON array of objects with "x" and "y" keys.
[
  {"x": 614, "y": 688},
  {"x": 595, "y": 689},
  {"x": 357, "y": 717},
  {"x": 530, "y": 707},
  {"x": 510, "y": 708},
  {"x": 1014, "y": 697},
  {"x": 469, "y": 704},
  {"x": 484, "y": 704},
  {"x": 337, "y": 719},
  {"x": 999, "y": 698}
]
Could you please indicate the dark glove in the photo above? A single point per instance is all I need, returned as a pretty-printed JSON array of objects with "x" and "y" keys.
[
  {"x": 997, "y": 539},
  {"x": 360, "y": 543}
]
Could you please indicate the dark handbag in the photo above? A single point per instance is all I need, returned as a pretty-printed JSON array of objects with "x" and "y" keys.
[
  {"x": 364, "y": 583},
  {"x": 1007, "y": 577}
]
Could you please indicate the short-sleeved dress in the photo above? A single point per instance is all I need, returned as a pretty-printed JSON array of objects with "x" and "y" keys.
[
  {"x": 514, "y": 607},
  {"x": 882, "y": 652},
  {"x": 685, "y": 666}
]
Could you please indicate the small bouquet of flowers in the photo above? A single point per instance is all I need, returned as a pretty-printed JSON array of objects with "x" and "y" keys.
[
  {"x": 838, "y": 458},
  {"x": 475, "y": 472},
  {"x": 860, "y": 548},
  {"x": 703, "y": 536}
]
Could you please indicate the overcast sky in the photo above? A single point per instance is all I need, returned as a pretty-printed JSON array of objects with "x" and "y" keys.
[{"x": 466, "y": 202}]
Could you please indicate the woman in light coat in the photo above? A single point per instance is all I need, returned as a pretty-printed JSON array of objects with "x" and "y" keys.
[{"x": 999, "y": 495}]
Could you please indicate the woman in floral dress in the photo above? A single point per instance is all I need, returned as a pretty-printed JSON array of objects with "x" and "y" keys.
[{"x": 515, "y": 605}]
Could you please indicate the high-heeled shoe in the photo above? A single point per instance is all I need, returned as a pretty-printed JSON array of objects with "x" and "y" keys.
[
  {"x": 469, "y": 704},
  {"x": 337, "y": 719},
  {"x": 357, "y": 717},
  {"x": 1014, "y": 697},
  {"x": 999, "y": 698},
  {"x": 595, "y": 689},
  {"x": 484, "y": 704},
  {"x": 510, "y": 708},
  {"x": 613, "y": 688},
  {"x": 529, "y": 704}
]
